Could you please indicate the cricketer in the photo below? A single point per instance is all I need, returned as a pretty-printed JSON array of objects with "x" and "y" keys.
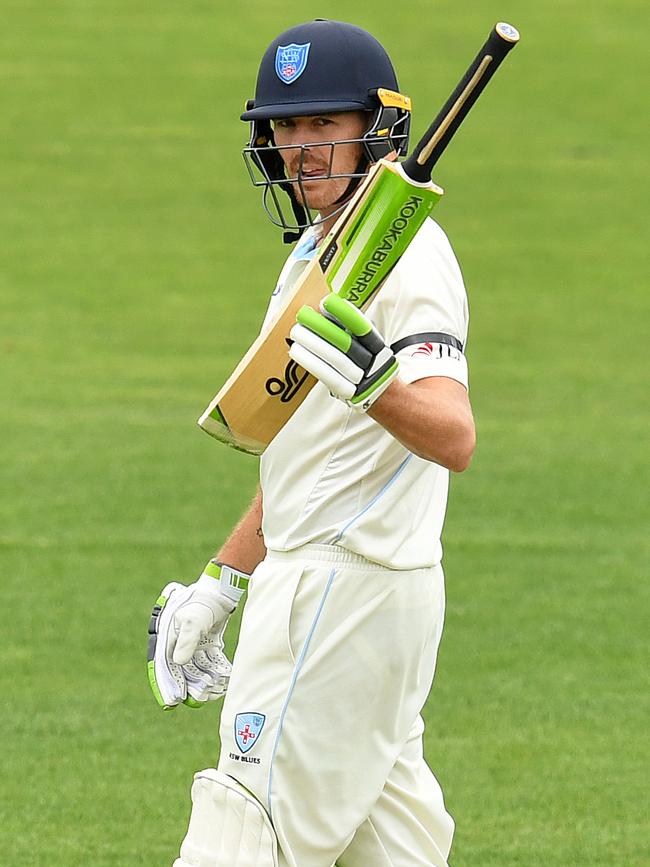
[{"x": 321, "y": 730}]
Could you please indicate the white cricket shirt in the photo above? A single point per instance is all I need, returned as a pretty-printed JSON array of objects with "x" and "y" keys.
[{"x": 333, "y": 475}]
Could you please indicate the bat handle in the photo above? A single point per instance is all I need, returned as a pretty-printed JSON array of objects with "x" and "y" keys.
[{"x": 419, "y": 165}]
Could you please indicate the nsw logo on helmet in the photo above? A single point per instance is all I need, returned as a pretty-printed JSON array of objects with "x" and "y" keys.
[{"x": 290, "y": 61}]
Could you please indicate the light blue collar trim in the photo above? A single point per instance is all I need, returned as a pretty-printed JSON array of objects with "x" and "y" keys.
[{"x": 306, "y": 248}]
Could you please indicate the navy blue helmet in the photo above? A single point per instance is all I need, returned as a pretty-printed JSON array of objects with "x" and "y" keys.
[{"x": 322, "y": 67}]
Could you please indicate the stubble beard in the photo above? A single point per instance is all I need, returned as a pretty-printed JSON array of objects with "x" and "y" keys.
[{"x": 321, "y": 195}]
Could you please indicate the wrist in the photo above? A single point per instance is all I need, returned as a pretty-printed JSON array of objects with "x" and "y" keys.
[
  {"x": 228, "y": 582},
  {"x": 392, "y": 397},
  {"x": 376, "y": 385}
]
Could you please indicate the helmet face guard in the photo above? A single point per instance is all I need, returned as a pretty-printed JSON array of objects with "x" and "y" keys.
[
  {"x": 387, "y": 135},
  {"x": 317, "y": 69}
]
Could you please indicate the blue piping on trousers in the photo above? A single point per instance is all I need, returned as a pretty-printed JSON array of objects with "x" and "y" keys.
[{"x": 294, "y": 678}]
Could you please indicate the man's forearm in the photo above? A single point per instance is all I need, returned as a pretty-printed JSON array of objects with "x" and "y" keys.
[
  {"x": 432, "y": 418},
  {"x": 245, "y": 547}
]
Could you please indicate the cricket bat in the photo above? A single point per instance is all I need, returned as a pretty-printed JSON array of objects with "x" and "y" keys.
[{"x": 354, "y": 259}]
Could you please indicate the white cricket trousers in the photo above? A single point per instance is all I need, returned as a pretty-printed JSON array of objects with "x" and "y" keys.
[{"x": 321, "y": 721}]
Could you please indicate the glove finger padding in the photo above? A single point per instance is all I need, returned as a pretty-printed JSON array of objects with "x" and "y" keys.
[
  {"x": 331, "y": 355},
  {"x": 323, "y": 370},
  {"x": 341, "y": 347},
  {"x": 166, "y": 679},
  {"x": 212, "y": 668}
]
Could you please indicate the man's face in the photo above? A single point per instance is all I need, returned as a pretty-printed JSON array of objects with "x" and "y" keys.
[{"x": 321, "y": 195}]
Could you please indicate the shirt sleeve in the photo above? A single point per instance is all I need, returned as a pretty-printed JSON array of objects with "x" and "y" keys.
[{"x": 426, "y": 317}]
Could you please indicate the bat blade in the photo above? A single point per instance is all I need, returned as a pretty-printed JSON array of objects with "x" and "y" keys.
[{"x": 266, "y": 387}]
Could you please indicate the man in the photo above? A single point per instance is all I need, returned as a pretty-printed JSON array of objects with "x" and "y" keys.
[{"x": 321, "y": 734}]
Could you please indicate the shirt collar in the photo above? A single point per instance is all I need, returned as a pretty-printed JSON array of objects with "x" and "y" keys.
[{"x": 307, "y": 245}]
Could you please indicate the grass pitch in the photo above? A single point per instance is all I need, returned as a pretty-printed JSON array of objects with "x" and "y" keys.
[{"x": 135, "y": 265}]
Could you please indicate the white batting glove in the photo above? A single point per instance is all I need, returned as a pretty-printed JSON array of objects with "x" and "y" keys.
[
  {"x": 341, "y": 347},
  {"x": 186, "y": 662}
]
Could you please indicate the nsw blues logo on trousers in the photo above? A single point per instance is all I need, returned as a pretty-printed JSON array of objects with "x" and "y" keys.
[
  {"x": 290, "y": 61},
  {"x": 248, "y": 727}
]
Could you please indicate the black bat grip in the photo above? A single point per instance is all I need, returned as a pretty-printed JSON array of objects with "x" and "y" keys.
[{"x": 419, "y": 165}]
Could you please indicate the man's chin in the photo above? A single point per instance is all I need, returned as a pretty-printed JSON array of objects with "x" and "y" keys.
[
  {"x": 310, "y": 197},
  {"x": 323, "y": 208},
  {"x": 315, "y": 199}
]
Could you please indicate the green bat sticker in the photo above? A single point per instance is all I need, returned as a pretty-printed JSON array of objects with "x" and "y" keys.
[{"x": 373, "y": 243}]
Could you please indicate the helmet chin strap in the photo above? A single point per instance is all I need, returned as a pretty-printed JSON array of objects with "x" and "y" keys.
[
  {"x": 299, "y": 213},
  {"x": 362, "y": 169}
]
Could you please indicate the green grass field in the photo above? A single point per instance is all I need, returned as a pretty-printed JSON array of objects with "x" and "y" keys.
[{"x": 135, "y": 262}]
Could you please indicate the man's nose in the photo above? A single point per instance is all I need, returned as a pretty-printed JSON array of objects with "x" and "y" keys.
[{"x": 298, "y": 138}]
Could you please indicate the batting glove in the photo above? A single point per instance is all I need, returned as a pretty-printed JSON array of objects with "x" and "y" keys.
[
  {"x": 185, "y": 658},
  {"x": 341, "y": 347}
]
